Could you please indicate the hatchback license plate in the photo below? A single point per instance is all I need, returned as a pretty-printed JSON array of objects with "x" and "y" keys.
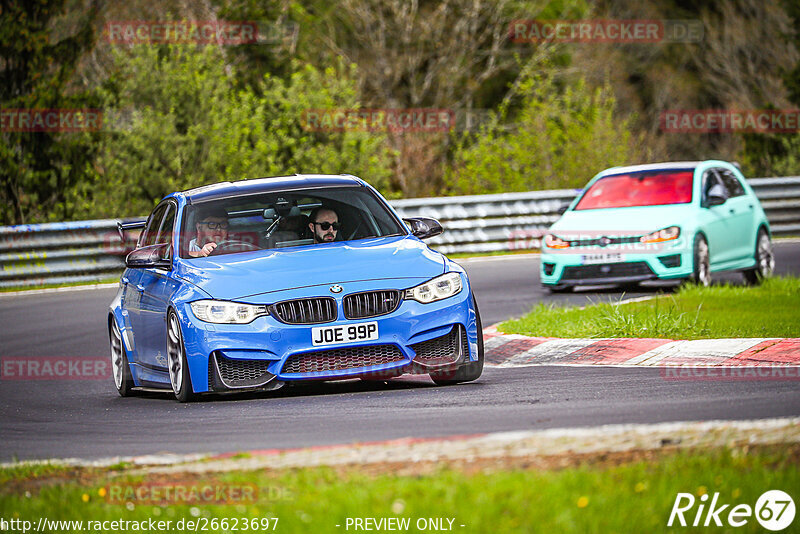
[
  {"x": 588, "y": 259},
  {"x": 347, "y": 333}
]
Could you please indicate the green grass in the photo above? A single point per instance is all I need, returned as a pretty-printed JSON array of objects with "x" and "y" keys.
[
  {"x": 110, "y": 279},
  {"x": 769, "y": 310},
  {"x": 632, "y": 497}
]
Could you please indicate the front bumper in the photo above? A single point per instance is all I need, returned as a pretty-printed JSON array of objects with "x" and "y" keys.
[
  {"x": 571, "y": 269},
  {"x": 265, "y": 353}
]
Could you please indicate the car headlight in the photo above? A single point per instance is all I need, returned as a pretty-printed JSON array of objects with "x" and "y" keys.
[
  {"x": 224, "y": 312},
  {"x": 439, "y": 288},
  {"x": 665, "y": 234},
  {"x": 552, "y": 241}
]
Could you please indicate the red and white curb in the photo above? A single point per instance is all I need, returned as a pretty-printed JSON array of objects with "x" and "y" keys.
[{"x": 513, "y": 350}]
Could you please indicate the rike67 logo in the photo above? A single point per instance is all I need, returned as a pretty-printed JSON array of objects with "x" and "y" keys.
[{"x": 774, "y": 510}]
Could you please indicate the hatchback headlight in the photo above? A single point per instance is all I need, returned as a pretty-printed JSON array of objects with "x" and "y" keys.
[
  {"x": 665, "y": 234},
  {"x": 552, "y": 241},
  {"x": 439, "y": 288},
  {"x": 225, "y": 312}
]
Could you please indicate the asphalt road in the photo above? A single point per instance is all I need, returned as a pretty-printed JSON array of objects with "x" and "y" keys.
[{"x": 87, "y": 419}]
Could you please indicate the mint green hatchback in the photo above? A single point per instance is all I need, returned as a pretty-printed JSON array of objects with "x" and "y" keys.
[{"x": 665, "y": 221}]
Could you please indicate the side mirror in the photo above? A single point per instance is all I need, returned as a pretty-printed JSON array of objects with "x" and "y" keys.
[
  {"x": 156, "y": 256},
  {"x": 423, "y": 227},
  {"x": 563, "y": 209},
  {"x": 716, "y": 196}
]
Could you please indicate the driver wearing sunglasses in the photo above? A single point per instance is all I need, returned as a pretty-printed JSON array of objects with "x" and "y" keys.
[
  {"x": 212, "y": 228},
  {"x": 324, "y": 225}
]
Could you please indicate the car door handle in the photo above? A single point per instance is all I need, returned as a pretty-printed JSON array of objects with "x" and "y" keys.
[
  {"x": 140, "y": 287},
  {"x": 124, "y": 280},
  {"x": 732, "y": 210}
]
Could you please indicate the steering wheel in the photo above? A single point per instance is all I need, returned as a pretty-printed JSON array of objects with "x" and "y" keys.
[{"x": 234, "y": 245}]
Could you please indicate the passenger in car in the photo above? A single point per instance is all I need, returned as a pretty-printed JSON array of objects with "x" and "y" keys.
[{"x": 212, "y": 228}]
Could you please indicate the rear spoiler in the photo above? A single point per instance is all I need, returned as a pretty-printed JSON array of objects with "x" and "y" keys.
[{"x": 122, "y": 227}]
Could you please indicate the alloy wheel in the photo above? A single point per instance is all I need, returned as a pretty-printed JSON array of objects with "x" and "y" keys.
[{"x": 175, "y": 354}]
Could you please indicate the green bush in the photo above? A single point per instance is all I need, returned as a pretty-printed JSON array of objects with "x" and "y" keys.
[
  {"x": 558, "y": 139},
  {"x": 183, "y": 121}
]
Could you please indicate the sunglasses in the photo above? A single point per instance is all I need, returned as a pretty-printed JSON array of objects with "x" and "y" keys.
[
  {"x": 214, "y": 225},
  {"x": 325, "y": 225}
]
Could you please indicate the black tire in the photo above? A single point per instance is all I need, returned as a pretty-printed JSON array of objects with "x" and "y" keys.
[
  {"x": 469, "y": 371},
  {"x": 701, "y": 274},
  {"x": 120, "y": 369},
  {"x": 559, "y": 288},
  {"x": 764, "y": 257},
  {"x": 179, "y": 376}
]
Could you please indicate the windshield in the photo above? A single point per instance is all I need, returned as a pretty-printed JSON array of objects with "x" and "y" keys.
[
  {"x": 284, "y": 219},
  {"x": 651, "y": 188}
]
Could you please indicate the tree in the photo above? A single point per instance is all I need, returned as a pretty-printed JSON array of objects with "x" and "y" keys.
[
  {"x": 187, "y": 124},
  {"x": 36, "y": 64},
  {"x": 561, "y": 137}
]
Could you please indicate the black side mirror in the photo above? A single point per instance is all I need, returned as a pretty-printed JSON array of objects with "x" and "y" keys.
[
  {"x": 156, "y": 256},
  {"x": 423, "y": 227}
]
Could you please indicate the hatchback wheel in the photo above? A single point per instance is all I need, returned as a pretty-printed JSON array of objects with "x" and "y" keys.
[
  {"x": 765, "y": 260},
  {"x": 176, "y": 360},
  {"x": 702, "y": 263}
]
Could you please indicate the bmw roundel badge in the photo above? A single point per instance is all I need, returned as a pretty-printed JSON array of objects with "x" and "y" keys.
[{"x": 336, "y": 288}]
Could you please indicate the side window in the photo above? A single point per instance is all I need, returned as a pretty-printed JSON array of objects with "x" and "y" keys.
[
  {"x": 165, "y": 233},
  {"x": 150, "y": 233},
  {"x": 710, "y": 179},
  {"x": 732, "y": 183}
]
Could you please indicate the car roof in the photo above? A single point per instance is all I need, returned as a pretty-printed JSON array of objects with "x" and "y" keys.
[
  {"x": 653, "y": 167},
  {"x": 267, "y": 185}
]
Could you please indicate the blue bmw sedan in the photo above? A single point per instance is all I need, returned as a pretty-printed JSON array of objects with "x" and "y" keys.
[{"x": 255, "y": 284}]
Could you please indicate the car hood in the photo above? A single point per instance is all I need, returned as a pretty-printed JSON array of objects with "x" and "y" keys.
[
  {"x": 637, "y": 220},
  {"x": 236, "y": 276}
]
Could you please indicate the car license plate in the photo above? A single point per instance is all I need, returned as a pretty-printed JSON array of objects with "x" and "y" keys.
[
  {"x": 346, "y": 333},
  {"x": 588, "y": 259}
]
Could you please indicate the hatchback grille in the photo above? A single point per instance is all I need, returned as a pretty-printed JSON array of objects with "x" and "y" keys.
[
  {"x": 242, "y": 373},
  {"x": 341, "y": 359},
  {"x": 606, "y": 270},
  {"x": 371, "y": 303},
  {"x": 442, "y": 349},
  {"x": 305, "y": 311}
]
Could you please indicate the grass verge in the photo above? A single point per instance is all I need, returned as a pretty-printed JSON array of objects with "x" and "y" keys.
[
  {"x": 769, "y": 310},
  {"x": 109, "y": 280},
  {"x": 606, "y": 495}
]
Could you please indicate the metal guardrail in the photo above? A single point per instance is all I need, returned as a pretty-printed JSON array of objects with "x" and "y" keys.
[{"x": 57, "y": 253}]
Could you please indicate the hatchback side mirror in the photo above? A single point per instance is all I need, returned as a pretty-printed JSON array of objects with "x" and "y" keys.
[
  {"x": 156, "y": 256},
  {"x": 423, "y": 227},
  {"x": 716, "y": 196}
]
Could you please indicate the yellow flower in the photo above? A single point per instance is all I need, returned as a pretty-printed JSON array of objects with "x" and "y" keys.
[
  {"x": 702, "y": 490},
  {"x": 101, "y": 492},
  {"x": 85, "y": 497},
  {"x": 583, "y": 502},
  {"x": 640, "y": 487}
]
